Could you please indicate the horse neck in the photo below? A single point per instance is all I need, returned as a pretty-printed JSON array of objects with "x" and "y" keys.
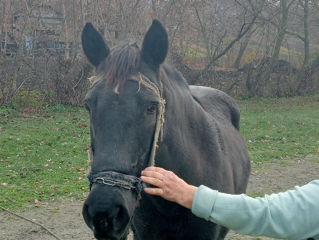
[
  {"x": 180, "y": 100},
  {"x": 185, "y": 124}
]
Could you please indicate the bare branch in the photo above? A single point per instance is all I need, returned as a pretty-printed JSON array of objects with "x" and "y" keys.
[{"x": 31, "y": 221}]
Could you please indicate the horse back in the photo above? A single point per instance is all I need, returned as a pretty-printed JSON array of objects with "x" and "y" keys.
[{"x": 217, "y": 103}]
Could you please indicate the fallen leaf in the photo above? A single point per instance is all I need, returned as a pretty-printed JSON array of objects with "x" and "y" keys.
[
  {"x": 81, "y": 169},
  {"x": 83, "y": 125},
  {"x": 36, "y": 203}
]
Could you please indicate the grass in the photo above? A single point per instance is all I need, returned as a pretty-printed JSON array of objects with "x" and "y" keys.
[
  {"x": 284, "y": 128},
  {"x": 43, "y": 155}
]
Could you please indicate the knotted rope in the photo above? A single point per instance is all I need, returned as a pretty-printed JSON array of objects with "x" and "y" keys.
[
  {"x": 158, "y": 133},
  {"x": 126, "y": 181}
]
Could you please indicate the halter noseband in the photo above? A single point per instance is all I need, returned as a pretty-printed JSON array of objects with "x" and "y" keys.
[
  {"x": 121, "y": 180},
  {"x": 115, "y": 179}
]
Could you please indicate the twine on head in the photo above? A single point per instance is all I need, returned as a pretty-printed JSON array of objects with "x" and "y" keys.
[
  {"x": 158, "y": 132},
  {"x": 94, "y": 79}
]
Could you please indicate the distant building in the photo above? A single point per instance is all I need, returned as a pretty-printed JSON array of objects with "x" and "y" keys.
[{"x": 44, "y": 34}]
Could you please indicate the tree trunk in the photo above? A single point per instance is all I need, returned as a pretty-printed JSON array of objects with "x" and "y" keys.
[
  {"x": 284, "y": 8},
  {"x": 4, "y": 30},
  {"x": 242, "y": 49},
  {"x": 66, "y": 32},
  {"x": 306, "y": 34},
  {"x": 281, "y": 31}
]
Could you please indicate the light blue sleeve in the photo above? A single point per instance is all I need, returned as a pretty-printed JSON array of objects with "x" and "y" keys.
[{"x": 292, "y": 215}]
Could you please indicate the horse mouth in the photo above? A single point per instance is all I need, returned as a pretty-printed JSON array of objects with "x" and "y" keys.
[
  {"x": 108, "y": 234},
  {"x": 103, "y": 232},
  {"x": 98, "y": 237},
  {"x": 103, "y": 236}
]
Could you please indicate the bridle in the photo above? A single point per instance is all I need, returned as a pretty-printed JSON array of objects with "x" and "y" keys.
[{"x": 130, "y": 182}]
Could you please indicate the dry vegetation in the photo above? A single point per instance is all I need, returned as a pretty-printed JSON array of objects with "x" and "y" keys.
[{"x": 41, "y": 50}]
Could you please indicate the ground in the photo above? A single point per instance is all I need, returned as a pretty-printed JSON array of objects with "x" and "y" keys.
[{"x": 65, "y": 221}]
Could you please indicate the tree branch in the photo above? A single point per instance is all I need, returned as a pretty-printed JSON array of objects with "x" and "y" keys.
[
  {"x": 33, "y": 222},
  {"x": 316, "y": 4},
  {"x": 295, "y": 34}
]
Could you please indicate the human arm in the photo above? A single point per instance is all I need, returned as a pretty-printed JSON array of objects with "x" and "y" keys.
[{"x": 293, "y": 214}]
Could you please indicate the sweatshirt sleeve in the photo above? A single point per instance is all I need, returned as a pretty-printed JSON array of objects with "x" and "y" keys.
[{"x": 293, "y": 214}]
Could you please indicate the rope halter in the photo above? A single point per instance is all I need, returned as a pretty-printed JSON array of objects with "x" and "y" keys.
[
  {"x": 130, "y": 182},
  {"x": 158, "y": 133}
]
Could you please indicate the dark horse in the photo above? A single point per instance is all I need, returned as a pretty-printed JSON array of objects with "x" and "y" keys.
[{"x": 199, "y": 140}]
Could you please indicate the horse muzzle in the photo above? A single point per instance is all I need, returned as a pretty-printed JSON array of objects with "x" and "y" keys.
[{"x": 109, "y": 208}]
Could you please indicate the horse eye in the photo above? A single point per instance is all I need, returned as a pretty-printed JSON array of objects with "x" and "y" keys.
[{"x": 152, "y": 108}]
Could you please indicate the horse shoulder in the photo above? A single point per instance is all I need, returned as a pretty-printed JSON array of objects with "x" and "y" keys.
[{"x": 217, "y": 103}]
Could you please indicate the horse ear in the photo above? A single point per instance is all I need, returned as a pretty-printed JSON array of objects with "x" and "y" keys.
[
  {"x": 93, "y": 45},
  {"x": 155, "y": 44}
]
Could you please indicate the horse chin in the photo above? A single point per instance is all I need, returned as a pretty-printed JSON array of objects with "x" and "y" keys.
[
  {"x": 111, "y": 223},
  {"x": 110, "y": 235},
  {"x": 104, "y": 233}
]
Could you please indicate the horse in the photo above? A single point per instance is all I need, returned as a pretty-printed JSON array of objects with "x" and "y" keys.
[{"x": 142, "y": 112}]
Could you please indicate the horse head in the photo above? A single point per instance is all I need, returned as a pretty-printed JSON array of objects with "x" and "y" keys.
[{"x": 125, "y": 106}]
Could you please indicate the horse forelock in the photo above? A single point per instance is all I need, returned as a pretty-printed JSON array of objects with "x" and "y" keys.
[{"x": 123, "y": 61}]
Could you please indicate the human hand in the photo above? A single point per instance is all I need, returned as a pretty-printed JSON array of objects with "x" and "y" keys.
[{"x": 168, "y": 186}]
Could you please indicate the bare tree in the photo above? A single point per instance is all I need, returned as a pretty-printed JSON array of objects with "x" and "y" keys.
[{"x": 218, "y": 40}]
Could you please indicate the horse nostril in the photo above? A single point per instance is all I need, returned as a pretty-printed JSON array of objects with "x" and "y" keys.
[
  {"x": 103, "y": 223},
  {"x": 106, "y": 220},
  {"x": 86, "y": 215},
  {"x": 113, "y": 220},
  {"x": 121, "y": 219}
]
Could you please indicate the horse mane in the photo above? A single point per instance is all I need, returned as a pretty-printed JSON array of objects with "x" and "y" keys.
[{"x": 123, "y": 61}]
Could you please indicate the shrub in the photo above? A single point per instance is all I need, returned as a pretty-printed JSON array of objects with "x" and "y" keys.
[{"x": 28, "y": 99}]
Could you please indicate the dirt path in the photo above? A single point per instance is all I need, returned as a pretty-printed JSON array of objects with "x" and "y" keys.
[{"x": 65, "y": 220}]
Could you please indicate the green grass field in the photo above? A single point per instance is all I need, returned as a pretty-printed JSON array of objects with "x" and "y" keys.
[
  {"x": 43, "y": 155},
  {"x": 286, "y": 128}
]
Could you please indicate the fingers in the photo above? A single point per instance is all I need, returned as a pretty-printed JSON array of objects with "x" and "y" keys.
[
  {"x": 154, "y": 176},
  {"x": 158, "y": 173},
  {"x": 153, "y": 179},
  {"x": 168, "y": 186},
  {"x": 153, "y": 170},
  {"x": 157, "y": 182},
  {"x": 154, "y": 191}
]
